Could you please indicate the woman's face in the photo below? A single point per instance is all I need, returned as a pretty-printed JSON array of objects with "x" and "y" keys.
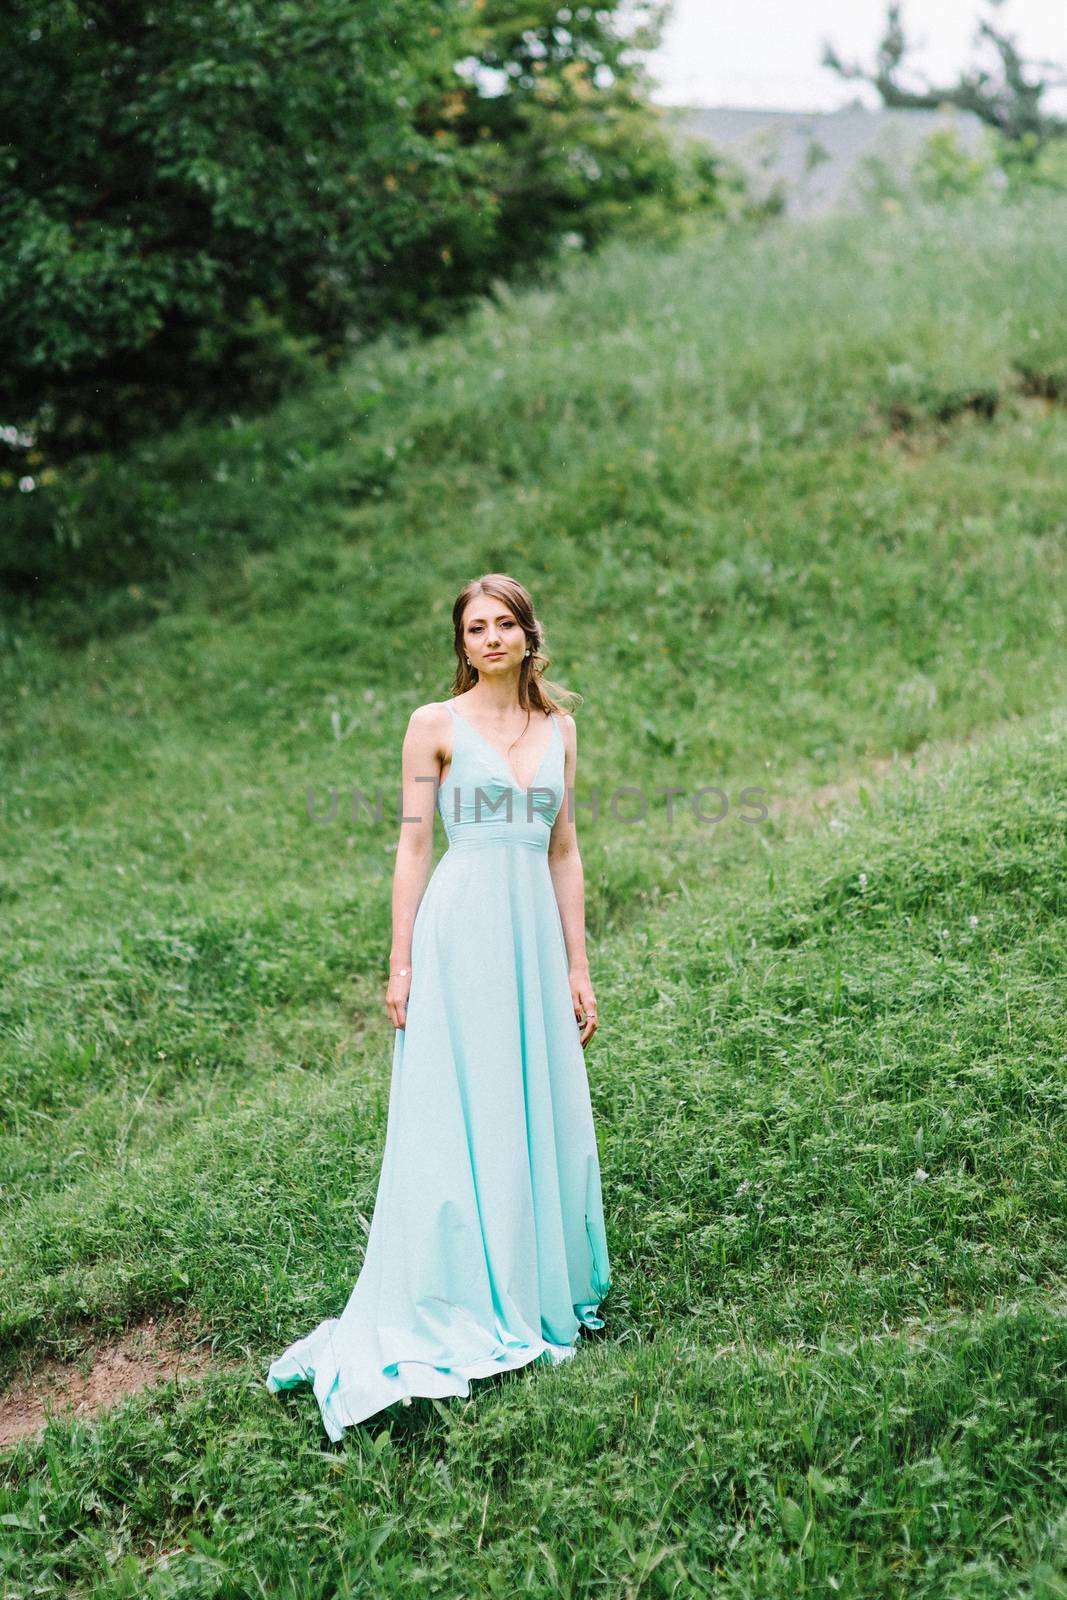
[{"x": 492, "y": 636}]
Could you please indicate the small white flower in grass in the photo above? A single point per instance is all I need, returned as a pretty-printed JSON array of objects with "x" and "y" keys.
[
  {"x": 863, "y": 880},
  {"x": 943, "y": 934},
  {"x": 741, "y": 1187},
  {"x": 973, "y": 921},
  {"x": 921, "y": 1175}
]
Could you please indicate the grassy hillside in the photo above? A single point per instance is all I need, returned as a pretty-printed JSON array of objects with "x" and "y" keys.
[{"x": 790, "y": 505}]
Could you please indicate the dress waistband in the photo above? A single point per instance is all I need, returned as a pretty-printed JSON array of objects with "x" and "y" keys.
[{"x": 524, "y": 841}]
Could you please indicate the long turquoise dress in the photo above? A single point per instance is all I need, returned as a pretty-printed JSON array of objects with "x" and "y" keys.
[{"x": 487, "y": 1246}]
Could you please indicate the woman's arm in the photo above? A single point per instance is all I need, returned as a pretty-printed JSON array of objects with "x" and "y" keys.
[
  {"x": 568, "y": 880},
  {"x": 420, "y": 776}
]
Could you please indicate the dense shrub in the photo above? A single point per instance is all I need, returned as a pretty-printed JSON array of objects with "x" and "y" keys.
[{"x": 235, "y": 194}]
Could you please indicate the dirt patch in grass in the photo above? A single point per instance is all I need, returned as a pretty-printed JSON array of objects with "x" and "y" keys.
[{"x": 149, "y": 1353}]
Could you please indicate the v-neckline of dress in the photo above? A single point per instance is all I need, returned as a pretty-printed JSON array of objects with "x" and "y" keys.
[{"x": 503, "y": 761}]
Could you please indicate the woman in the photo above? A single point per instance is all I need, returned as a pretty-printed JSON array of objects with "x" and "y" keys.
[{"x": 487, "y": 1246}]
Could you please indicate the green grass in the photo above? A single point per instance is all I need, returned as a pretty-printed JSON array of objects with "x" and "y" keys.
[{"x": 786, "y": 509}]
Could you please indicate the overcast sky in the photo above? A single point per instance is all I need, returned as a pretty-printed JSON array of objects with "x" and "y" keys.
[{"x": 766, "y": 52}]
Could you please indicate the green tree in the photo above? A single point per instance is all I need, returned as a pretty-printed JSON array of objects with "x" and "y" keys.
[
  {"x": 1008, "y": 97},
  {"x": 229, "y": 180},
  {"x": 237, "y": 190},
  {"x": 581, "y": 149}
]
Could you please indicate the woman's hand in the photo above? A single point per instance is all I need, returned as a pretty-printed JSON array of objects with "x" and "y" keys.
[
  {"x": 396, "y": 998},
  {"x": 584, "y": 1001}
]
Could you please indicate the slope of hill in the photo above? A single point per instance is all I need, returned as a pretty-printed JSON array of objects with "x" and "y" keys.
[{"x": 790, "y": 504}]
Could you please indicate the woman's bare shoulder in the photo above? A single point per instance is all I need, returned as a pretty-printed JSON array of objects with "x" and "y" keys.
[
  {"x": 428, "y": 726},
  {"x": 432, "y": 714},
  {"x": 569, "y": 730}
]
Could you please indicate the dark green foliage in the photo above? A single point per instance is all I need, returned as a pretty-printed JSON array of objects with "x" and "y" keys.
[
  {"x": 234, "y": 193},
  {"x": 223, "y": 175}
]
